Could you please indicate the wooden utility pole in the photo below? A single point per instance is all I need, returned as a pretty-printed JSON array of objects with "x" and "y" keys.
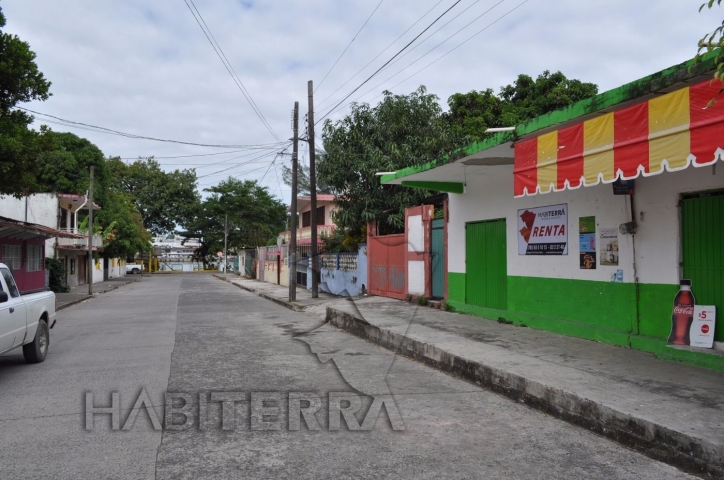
[
  {"x": 313, "y": 190},
  {"x": 90, "y": 232},
  {"x": 293, "y": 219},
  {"x": 226, "y": 235}
]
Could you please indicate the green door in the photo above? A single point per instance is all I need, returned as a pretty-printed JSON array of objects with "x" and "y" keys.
[
  {"x": 702, "y": 242},
  {"x": 438, "y": 258},
  {"x": 486, "y": 264}
]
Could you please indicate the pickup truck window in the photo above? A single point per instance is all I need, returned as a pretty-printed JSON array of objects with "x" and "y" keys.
[{"x": 10, "y": 282}]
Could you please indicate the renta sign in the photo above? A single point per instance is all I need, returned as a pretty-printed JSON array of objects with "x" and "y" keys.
[{"x": 543, "y": 230}]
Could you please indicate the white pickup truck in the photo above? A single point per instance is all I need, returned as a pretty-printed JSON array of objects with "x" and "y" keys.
[
  {"x": 25, "y": 320},
  {"x": 134, "y": 268}
]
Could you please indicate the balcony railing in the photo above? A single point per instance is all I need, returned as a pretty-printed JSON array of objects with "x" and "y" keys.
[{"x": 81, "y": 242}]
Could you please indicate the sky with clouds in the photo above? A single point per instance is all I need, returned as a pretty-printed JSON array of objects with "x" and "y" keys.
[{"x": 146, "y": 68}]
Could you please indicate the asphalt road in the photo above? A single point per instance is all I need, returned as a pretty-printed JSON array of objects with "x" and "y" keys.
[{"x": 201, "y": 338}]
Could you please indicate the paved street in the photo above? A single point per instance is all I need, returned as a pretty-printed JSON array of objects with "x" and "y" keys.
[{"x": 195, "y": 334}]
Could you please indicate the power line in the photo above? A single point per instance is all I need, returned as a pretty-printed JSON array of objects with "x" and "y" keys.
[
  {"x": 432, "y": 49},
  {"x": 347, "y": 47},
  {"x": 238, "y": 164},
  {"x": 227, "y": 65},
  {"x": 96, "y": 128},
  {"x": 378, "y": 55},
  {"x": 180, "y": 156},
  {"x": 388, "y": 61},
  {"x": 439, "y": 58},
  {"x": 202, "y": 165}
]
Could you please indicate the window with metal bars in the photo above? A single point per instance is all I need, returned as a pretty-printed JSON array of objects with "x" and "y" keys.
[
  {"x": 35, "y": 258},
  {"x": 13, "y": 256}
]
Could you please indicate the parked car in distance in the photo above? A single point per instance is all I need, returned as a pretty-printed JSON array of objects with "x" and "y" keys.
[
  {"x": 25, "y": 320},
  {"x": 134, "y": 268}
]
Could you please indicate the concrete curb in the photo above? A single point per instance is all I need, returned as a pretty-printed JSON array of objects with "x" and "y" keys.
[
  {"x": 87, "y": 297},
  {"x": 656, "y": 441},
  {"x": 278, "y": 301}
]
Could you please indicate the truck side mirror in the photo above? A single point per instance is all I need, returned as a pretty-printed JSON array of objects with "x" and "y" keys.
[{"x": 3, "y": 297}]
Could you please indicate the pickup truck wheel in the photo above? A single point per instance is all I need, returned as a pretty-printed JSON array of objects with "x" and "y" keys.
[
  {"x": 36, "y": 351},
  {"x": 135, "y": 271}
]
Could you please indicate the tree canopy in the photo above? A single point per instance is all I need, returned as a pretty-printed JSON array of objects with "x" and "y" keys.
[
  {"x": 20, "y": 82},
  {"x": 401, "y": 131},
  {"x": 166, "y": 200},
  {"x": 254, "y": 216},
  {"x": 473, "y": 112},
  {"x": 713, "y": 41}
]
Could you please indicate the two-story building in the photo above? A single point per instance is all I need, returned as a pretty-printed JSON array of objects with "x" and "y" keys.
[
  {"x": 59, "y": 212},
  {"x": 325, "y": 225}
]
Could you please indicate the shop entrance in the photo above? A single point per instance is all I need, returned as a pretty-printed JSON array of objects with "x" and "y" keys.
[
  {"x": 702, "y": 231},
  {"x": 438, "y": 258},
  {"x": 486, "y": 264}
]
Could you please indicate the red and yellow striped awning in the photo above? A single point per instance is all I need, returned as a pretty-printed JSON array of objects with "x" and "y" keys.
[{"x": 672, "y": 131}]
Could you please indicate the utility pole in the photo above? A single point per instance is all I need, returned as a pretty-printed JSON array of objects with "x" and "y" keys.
[
  {"x": 313, "y": 190},
  {"x": 226, "y": 235},
  {"x": 90, "y": 232},
  {"x": 293, "y": 219}
]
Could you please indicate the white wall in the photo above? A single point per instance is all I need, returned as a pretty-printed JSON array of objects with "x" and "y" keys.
[
  {"x": 42, "y": 208},
  {"x": 415, "y": 243},
  {"x": 116, "y": 268},
  {"x": 489, "y": 195},
  {"x": 97, "y": 270}
]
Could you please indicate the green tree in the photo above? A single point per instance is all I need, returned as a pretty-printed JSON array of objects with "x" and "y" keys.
[
  {"x": 20, "y": 82},
  {"x": 254, "y": 216},
  {"x": 166, "y": 200},
  {"x": 401, "y": 131},
  {"x": 63, "y": 165},
  {"x": 713, "y": 41},
  {"x": 473, "y": 112}
]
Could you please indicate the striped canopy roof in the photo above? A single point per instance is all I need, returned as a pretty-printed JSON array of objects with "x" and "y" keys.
[{"x": 669, "y": 132}]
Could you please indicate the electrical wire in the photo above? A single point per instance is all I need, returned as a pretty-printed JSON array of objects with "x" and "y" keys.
[
  {"x": 388, "y": 61},
  {"x": 431, "y": 50},
  {"x": 86, "y": 126},
  {"x": 378, "y": 55},
  {"x": 225, "y": 61},
  {"x": 439, "y": 58},
  {"x": 347, "y": 47}
]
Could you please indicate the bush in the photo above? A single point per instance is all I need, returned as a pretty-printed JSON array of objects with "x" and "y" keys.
[{"x": 57, "y": 274}]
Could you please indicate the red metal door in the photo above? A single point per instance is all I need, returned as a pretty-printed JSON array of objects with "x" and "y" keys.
[{"x": 386, "y": 262}]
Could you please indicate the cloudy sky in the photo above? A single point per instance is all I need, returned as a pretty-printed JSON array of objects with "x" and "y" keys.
[{"x": 146, "y": 68}]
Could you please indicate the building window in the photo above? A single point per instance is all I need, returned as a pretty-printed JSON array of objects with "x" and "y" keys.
[
  {"x": 35, "y": 258},
  {"x": 13, "y": 256},
  {"x": 320, "y": 216},
  {"x": 306, "y": 219}
]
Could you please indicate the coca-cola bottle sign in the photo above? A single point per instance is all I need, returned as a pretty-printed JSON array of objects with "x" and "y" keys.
[{"x": 683, "y": 314}]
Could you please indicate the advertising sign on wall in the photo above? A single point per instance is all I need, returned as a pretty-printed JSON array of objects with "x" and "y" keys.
[
  {"x": 609, "y": 246},
  {"x": 701, "y": 333},
  {"x": 587, "y": 242},
  {"x": 543, "y": 230}
]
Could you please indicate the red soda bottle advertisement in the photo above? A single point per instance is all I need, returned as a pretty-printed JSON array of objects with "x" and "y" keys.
[{"x": 683, "y": 314}]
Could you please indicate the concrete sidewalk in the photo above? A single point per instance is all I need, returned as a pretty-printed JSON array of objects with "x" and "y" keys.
[
  {"x": 672, "y": 412},
  {"x": 80, "y": 293}
]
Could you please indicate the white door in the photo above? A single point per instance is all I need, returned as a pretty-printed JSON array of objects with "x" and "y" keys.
[{"x": 12, "y": 315}]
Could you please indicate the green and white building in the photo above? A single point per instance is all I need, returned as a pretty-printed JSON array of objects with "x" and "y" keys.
[{"x": 583, "y": 221}]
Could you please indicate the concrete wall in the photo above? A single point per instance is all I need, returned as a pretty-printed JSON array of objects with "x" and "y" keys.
[
  {"x": 339, "y": 278},
  {"x": 415, "y": 243},
  {"x": 116, "y": 268},
  {"x": 97, "y": 270},
  {"x": 489, "y": 195},
  {"x": 41, "y": 208}
]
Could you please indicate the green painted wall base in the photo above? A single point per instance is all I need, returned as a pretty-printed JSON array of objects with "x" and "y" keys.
[{"x": 600, "y": 311}]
